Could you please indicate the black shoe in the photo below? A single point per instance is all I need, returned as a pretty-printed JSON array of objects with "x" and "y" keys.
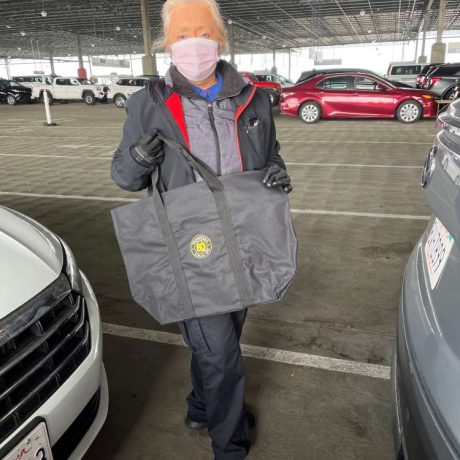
[{"x": 194, "y": 425}]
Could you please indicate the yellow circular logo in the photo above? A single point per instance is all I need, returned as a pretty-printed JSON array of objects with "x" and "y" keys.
[{"x": 201, "y": 246}]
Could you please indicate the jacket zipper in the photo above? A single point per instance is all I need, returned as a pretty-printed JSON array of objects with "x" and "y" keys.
[{"x": 216, "y": 138}]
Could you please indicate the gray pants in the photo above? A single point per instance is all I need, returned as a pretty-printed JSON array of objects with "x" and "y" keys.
[{"x": 218, "y": 381}]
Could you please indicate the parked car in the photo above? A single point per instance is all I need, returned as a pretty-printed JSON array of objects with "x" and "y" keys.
[
  {"x": 308, "y": 74},
  {"x": 355, "y": 95},
  {"x": 420, "y": 80},
  {"x": 405, "y": 72},
  {"x": 272, "y": 77},
  {"x": 38, "y": 83},
  {"x": 273, "y": 89},
  {"x": 53, "y": 386},
  {"x": 12, "y": 92},
  {"x": 441, "y": 80},
  {"x": 76, "y": 89},
  {"x": 456, "y": 93},
  {"x": 426, "y": 362},
  {"x": 123, "y": 88}
]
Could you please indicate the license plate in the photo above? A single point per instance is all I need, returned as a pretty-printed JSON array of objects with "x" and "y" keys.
[
  {"x": 35, "y": 446},
  {"x": 437, "y": 250}
]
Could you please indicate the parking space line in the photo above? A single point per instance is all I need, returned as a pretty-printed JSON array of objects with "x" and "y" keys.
[
  {"x": 269, "y": 354},
  {"x": 294, "y": 211},
  {"x": 15, "y": 136},
  {"x": 37, "y": 155},
  {"x": 352, "y": 165},
  {"x": 352, "y": 142},
  {"x": 81, "y": 146},
  {"x": 360, "y": 214},
  {"x": 108, "y": 156},
  {"x": 69, "y": 197},
  {"x": 331, "y": 130}
]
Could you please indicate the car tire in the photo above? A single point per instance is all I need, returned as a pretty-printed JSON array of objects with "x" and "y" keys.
[
  {"x": 50, "y": 98},
  {"x": 310, "y": 112},
  {"x": 449, "y": 94},
  {"x": 119, "y": 101},
  {"x": 10, "y": 100},
  {"x": 89, "y": 98},
  {"x": 409, "y": 112}
]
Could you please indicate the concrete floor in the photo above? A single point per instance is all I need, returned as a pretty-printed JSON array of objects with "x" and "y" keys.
[{"x": 341, "y": 305}]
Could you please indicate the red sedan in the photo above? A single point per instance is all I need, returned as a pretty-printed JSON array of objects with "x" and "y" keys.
[
  {"x": 355, "y": 95},
  {"x": 272, "y": 88}
]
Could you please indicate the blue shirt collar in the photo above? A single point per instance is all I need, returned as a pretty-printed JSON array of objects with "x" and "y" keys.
[{"x": 213, "y": 91}]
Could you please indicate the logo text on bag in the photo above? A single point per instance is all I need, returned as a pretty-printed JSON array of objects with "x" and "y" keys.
[{"x": 201, "y": 246}]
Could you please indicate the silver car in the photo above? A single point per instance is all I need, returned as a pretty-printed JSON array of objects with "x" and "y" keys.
[
  {"x": 426, "y": 364},
  {"x": 53, "y": 387}
]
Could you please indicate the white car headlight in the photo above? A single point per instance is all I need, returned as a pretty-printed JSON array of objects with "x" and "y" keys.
[{"x": 71, "y": 269}]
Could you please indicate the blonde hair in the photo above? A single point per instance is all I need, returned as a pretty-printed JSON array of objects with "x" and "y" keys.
[{"x": 169, "y": 5}]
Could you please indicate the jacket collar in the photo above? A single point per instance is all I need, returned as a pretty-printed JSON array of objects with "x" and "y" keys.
[{"x": 232, "y": 86}]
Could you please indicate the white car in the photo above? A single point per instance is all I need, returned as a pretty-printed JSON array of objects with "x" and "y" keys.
[
  {"x": 404, "y": 72},
  {"x": 53, "y": 386},
  {"x": 73, "y": 88},
  {"x": 38, "y": 83},
  {"x": 123, "y": 88}
]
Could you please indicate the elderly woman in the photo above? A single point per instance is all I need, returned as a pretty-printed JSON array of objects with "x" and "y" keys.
[{"x": 204, "y": 104}]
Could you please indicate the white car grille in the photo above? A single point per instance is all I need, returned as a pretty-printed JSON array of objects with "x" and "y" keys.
[{"x": 41, "y": 345}]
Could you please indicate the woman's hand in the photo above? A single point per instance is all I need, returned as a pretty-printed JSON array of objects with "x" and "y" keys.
[
  {"x": 147, "y": 151},
  {"x": 276, "y": 176}
]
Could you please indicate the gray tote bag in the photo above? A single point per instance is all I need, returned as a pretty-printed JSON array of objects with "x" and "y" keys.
[{"x": 215, "y": 246}]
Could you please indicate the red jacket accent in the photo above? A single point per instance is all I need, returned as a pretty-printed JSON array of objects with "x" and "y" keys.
[{"x": 174, "y": 104}]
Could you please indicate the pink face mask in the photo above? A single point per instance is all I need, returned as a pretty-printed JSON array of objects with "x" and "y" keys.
[{"x": 195, "y": 58}]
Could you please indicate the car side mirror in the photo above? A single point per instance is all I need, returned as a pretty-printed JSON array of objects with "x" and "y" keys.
[{"x": 383, "y": 88}]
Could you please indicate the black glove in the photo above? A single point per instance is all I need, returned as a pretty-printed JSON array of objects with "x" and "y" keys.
[
  {"x": 276, "y": 176},
  {"x": 147, "y": 151}
]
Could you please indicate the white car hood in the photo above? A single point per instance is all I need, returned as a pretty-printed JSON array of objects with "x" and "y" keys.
[{"x": 31, "y": 258}]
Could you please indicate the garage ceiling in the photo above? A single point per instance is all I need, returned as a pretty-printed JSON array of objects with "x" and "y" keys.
[{"x": 114, "y": 26}]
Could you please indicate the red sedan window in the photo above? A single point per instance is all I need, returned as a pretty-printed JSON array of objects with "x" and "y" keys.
[
  {"x": 337, "y": 83},
  {"x": 366, "y": 84}
]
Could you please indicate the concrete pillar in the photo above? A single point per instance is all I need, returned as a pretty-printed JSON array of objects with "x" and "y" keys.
[
  {"x": 289, "y": 72},
  {"x": 33, "y": 53},
  {"x": 149, "y": 65},
  {"x": 81, "y": 69},
  {"x": 90, "y": 66},
  {"x": 274, "y": 69},
  {"x": 51, "y": 62},
  {"x": 231, "y": 44},
  {"x": 131, "y": 64},
  {"x": 7, "y": 66},
  {"x": 422, "y": 58},
  {"x": 438, "y": 50}
]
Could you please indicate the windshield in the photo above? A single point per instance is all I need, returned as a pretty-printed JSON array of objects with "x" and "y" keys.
[
  {"x": 84, "y": 81},
  {"x": 391, "y": 82}
]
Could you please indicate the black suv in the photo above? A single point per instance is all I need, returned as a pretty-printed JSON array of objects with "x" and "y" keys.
[
  {"x": 12, "y": 92},
  {"x": 441, "y": 80},
  {"x": 426, "y": 69}
]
